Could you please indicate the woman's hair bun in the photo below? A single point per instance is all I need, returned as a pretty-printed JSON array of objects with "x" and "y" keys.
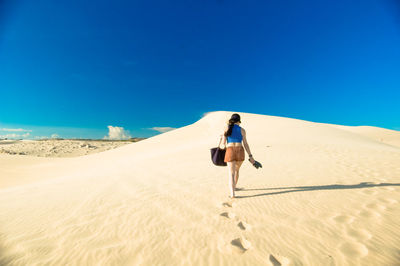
[{"x": 235, "y": 118}]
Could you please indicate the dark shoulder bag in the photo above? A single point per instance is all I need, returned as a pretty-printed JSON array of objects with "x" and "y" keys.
[{"x": 218, "y": 155}]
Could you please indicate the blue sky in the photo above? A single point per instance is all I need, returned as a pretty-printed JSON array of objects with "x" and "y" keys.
[{"x": 73, "y": 68}]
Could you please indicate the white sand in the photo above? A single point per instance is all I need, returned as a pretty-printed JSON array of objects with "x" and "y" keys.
[
  {"x": 325, "y": 196},
  {"x": 57, "y": 147}
]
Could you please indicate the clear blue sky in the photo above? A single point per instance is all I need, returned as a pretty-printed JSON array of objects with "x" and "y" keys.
[{"x": 74, "y": 67}]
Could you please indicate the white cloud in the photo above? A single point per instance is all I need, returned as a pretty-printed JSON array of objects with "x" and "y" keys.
[
  {"x": 15, "y": 130},
  {"x": 162, "y": 129},
  {"x": 41, "y": 137},
  {"x": 117, "y": 133},
  {"x": 15, "y": 136}
]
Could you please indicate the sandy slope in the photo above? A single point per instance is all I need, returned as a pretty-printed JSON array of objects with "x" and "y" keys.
[
  {"x": 383, "y": 135},
  {"x": 325, "y": 196}
]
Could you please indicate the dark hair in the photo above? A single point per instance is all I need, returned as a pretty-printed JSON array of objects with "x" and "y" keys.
[{"x": 234, "y": 118}]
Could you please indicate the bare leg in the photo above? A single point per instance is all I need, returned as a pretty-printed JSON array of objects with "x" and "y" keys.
[
  {"x": 237, "y": 167},
  {"x": 236, "y": 177},
  {"x": 231, "y": 168}
]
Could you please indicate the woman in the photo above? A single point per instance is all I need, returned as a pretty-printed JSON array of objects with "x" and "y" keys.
[{"x": 234, "y": 156}]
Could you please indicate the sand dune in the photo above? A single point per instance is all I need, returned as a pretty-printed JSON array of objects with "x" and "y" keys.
[
  {"x": 383, "y": 135},
  {"x": 326, "y": 195}
]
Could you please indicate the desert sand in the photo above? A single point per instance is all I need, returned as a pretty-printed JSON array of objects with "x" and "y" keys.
[
  {"x": 58, "y": 147},
  {"x": 326, "y": 195}
]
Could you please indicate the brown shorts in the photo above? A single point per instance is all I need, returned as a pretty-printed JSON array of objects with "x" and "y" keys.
[{"x": 235, "y": 153}]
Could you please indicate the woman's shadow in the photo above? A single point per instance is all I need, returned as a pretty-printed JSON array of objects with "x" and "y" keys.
[{"x": 311, "y": 188}]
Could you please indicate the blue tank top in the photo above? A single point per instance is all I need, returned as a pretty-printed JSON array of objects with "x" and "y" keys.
[{"x": 236, "y": 135}]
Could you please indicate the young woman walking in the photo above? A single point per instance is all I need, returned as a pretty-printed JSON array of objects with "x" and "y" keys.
[{"x": 233, "y": 137}]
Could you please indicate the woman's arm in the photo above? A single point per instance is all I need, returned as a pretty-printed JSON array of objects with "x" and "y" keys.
[
  {"x": 246, "y": 145},
  {"x": 223, "y": 141}
]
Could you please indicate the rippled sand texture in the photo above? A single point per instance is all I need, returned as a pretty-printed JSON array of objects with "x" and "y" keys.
[{"x": 325, "y": 196}]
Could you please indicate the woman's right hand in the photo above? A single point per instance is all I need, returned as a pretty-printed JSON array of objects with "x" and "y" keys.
[{"x": 251, "y": 159}]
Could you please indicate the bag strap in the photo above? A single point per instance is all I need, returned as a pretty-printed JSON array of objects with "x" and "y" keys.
[{"x": 220, "y": 140}]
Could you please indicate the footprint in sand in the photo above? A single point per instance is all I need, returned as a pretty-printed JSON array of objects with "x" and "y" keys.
[
  {"x": 343, "y": 219},
  {"x": 242, "y": 243},
  {"x": 369, "y": 214},
  {"x": 359, "y": 234},
  {"x": 354, "y": 249},
  {"x": 229, "y": 215},
  {"x": 244, "y": 226},
  {"x": 278, "y": 260},
  {"x": 229, "y": 204},
  {"x": 375, "y": 206}
]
